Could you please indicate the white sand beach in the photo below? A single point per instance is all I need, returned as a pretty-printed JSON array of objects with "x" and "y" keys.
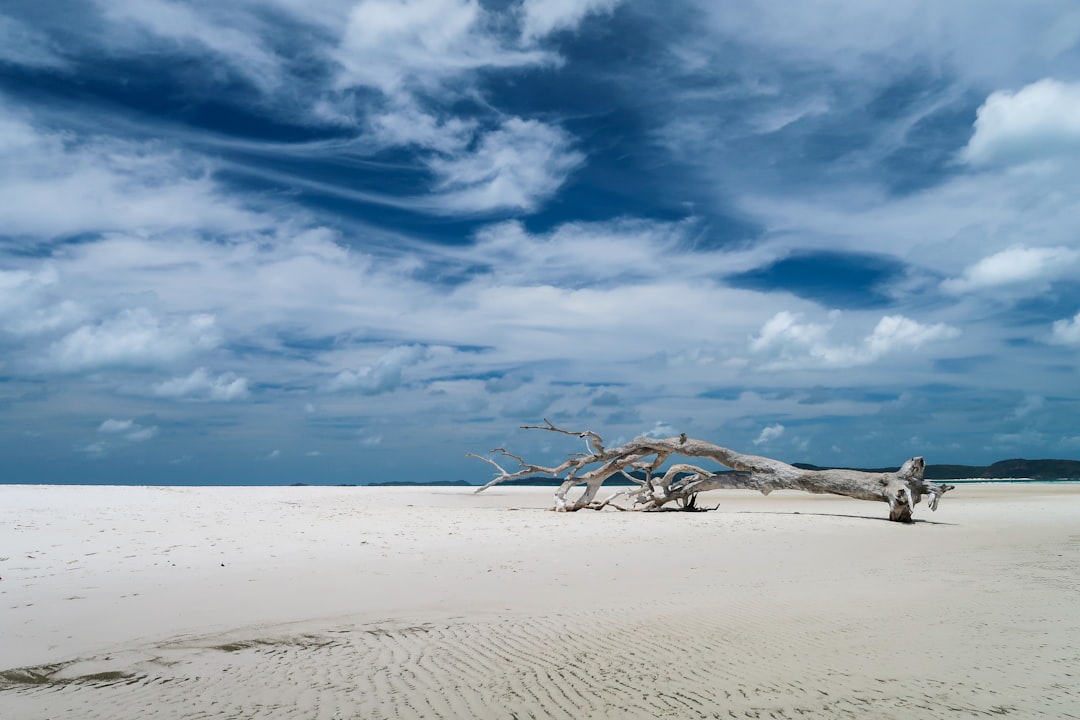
[{"x": 334, "y": 603}]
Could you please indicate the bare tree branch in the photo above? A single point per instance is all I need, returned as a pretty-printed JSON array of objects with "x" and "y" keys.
[{"x": 681, "y": 482}]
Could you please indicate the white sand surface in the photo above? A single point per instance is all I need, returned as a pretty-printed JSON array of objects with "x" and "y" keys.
[{"x": 334, "y": 603}]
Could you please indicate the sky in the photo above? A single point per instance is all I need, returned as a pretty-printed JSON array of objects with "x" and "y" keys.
[{"x": 331, "y": 241}]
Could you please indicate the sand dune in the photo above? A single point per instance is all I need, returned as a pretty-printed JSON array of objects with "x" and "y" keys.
[{"x": 414, "y": 603}]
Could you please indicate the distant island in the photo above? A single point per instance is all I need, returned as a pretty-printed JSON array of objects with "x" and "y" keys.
[
  {"x": 1013, "y": 468},
  {"x": 433, "y": 483}
]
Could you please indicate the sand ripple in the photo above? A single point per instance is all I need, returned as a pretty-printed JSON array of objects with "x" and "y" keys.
[{"x": 556, "y": 666}]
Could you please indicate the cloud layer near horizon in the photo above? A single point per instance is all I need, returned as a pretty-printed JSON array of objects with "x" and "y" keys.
[{"x": 363, "y": 238}]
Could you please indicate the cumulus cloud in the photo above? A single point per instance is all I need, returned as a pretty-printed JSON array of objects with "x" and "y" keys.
[
  {"x": 1039, "y": 121},
  {"x": 543, "y": 17},
  {"x": 896, "y": 332},
  {"x": 769, "y": 433},
  {"x": 134, "y": 337},
  {"x": 788, "y": 343},
  {"x": 514, "y": 167},
  {"x": 31, "y": 302},
  {"x": 382, "y": 377},
  {"x": 1067, "y": 331},
  {"x": 201, "y": 384},
  {"x": 1019, "y": 264}
]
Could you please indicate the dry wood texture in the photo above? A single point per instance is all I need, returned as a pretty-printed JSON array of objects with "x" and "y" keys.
[{"x": 680, "y": 483}]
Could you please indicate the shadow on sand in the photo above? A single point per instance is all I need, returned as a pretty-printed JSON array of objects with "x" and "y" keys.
[{"x": 916, "y": 521}]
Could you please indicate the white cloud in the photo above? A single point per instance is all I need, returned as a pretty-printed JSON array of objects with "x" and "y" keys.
[
  {"x": 142, "y": 433},
  {"x": 405, "y": 123},
  {"x": 543, "y": 17},
  {"x": 1039, "y": 121},
  {"x": 59, "y": 184},
  {"x": 515, "y": 167},
  {"x": 115, "y": 426},
  {"x": 769, "y": 433},
  {"x": 896, "y": 332},
  {"x": 195, "y": 29},
  {"x": 129, "y": 429},
  {"x": 1067, "y": 331},
  {"x": 201, "y": 384},
  {"x": 395, "y": 45},
  {"x": 784, "y": 327},
  {"x": 96, "y": 449},
  {"x": 788, "y": 343},
  {"x": 1019, "y": 264},
  {"x": 134, "y": 338},
  {"x": 660, "y": 429},
  {"x": 383, "y": 376},
  {"x": 31, "y": 302},
  {"x": 582, "y": 254}
]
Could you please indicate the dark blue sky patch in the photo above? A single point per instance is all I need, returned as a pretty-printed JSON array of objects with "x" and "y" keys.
[
  {"x": 928, "y": 155},
  {"x": 962, "y": 365},
  {"x": 833, "y": 279},
  {"x": 820, "y": 395},
  {"x": 1061, "y": 300},
  {"x": 721, "y": 393}
]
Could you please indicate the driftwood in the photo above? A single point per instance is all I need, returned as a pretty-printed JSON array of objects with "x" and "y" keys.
[{"x": 680, "y": 483}]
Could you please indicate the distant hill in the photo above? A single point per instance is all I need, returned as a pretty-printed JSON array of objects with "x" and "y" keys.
[{"x": 1014, "y": 468}]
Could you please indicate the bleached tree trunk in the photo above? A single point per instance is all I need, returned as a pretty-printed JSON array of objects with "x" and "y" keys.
[{"x": 681, "y": 482}]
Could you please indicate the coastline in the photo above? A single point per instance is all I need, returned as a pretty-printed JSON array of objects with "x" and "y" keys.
[{"x": 241, "y": 596}]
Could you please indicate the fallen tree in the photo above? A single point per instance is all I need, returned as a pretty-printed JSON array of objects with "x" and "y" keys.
[{"x": 680, "y": 483}]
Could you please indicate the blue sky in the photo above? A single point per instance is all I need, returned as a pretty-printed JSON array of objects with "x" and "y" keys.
[{"x": 332, "y": 241}]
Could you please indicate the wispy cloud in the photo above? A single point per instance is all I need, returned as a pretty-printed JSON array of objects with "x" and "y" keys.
[
  {"x": 1031, "y": 266},
  {"x": 23, "y": 45},
  {"x": 543, "y": 17},
  {"x": 512, "y": 168}
]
